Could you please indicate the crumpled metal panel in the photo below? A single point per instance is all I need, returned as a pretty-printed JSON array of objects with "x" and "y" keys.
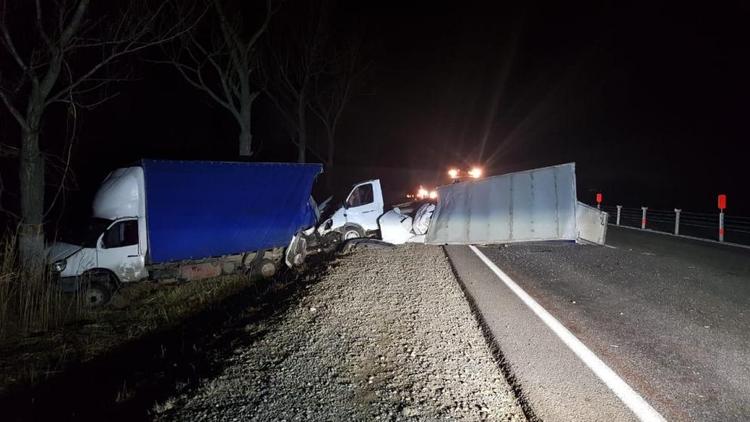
[
  {"x": 531, "y": 205},
  {"x": 592, "y": 224}
]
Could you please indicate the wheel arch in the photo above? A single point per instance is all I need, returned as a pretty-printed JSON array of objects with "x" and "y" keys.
[
  {"x": 349, "y": 226},
  {"x": 112, "y": 277}
]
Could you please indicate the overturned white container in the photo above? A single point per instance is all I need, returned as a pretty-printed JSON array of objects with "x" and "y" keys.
[{"x": 532, "y": 205}]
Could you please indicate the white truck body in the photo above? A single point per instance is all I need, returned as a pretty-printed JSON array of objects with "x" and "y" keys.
[
  {"x": 531, "y": 205},
  {"x": 525, "y": 206}
]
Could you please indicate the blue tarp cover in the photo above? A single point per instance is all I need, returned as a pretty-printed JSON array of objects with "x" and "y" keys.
[{"x": 199, "y": 209}]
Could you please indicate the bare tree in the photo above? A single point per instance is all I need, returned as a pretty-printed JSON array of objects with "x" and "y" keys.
[
  {"x": 57, "y": 53},
  {"x": 333, "y": 88},
  {"x": 224, "y": 65},
  {"x": 293, "y": 62}
]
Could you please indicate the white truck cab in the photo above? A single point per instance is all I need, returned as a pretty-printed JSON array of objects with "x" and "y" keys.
[
  {"x": 113, "y": 247},
  {"x": 358, "y": 216}
]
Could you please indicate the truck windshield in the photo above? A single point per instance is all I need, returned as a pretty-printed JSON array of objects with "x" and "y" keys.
[{"x": 88, "y": 234}]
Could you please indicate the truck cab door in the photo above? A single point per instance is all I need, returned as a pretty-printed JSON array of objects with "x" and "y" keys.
[
  {"x": 119, "y": 252},
  {"x": 364, "y": 205}
]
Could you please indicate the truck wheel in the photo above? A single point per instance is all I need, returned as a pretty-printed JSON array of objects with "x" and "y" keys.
[
  {"x": 96, "y": 294},
  {"x": 97, "y": 288},
  {"x": 267, "y": 268},
  {"x": 349, "y": 232}
]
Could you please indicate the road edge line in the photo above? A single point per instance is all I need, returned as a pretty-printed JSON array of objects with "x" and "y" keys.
[{"x": 617, "y": 385}]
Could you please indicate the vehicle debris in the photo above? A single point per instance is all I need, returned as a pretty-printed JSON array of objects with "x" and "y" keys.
[{"x": 398, "y": 228}]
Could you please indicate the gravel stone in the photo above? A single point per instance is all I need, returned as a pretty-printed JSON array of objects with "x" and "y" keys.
[{"x": 385, "y": 334}]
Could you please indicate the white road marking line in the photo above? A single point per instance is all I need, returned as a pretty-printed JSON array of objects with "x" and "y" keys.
[
  {"x": 627, "y": 395},
  {"x": 610, "y": 246}
]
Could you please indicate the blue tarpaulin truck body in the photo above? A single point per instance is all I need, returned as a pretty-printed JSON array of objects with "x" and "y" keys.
[{"x": 200, "y": 209}]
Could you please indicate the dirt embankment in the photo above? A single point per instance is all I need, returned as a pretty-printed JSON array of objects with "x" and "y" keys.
[
  {"x": 155, "y": 341},
  {"x": 385, "y": 334}
]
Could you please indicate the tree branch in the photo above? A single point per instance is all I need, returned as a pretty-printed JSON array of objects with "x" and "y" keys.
[
  {"x": 67, "y": 158},
  {"x": 129, "y": 45},
  {"x": 14, "y": 111},
  {"x": 40, "y": 25},
  {"x": 8, "y": 40}
]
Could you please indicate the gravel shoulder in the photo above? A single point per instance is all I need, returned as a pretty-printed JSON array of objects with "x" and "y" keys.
[{"x": 385, "y": 334}]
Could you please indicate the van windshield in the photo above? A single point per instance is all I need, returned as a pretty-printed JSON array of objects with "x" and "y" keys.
[{"x": 88, "y": 234}]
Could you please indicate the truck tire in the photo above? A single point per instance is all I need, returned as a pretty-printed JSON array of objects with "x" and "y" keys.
[
  {"x": 97, "y": 289},
  {"x": 267, "y": 268},
  {"x": 96, "y": 294},
  {"x": 350, "y": 231},
  {"x": 264, "y": 268}
]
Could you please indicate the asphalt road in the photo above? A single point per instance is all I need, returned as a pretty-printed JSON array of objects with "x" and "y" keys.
[{"x": 670, "y": 316}]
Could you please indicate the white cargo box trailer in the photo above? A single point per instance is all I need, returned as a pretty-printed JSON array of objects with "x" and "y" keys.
[{"x": 532, "y": 205}]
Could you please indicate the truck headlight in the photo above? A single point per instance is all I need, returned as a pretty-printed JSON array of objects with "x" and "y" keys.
[{"x": 59, "y": 266}]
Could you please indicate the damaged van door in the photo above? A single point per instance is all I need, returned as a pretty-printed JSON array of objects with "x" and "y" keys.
[{"x": 358, "y": 216}]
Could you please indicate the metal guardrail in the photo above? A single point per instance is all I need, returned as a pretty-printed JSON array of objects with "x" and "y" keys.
[{"x": 716, "y": 226}]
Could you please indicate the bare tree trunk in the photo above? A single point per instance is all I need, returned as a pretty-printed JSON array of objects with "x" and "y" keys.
[
  {"x": 246, "y": 135},
  {"x": 220, "y": 58},
  {"x": 246, "y": 142},
  {"x": 31, "y": 176},
  {"x": 53, "y": 47}
]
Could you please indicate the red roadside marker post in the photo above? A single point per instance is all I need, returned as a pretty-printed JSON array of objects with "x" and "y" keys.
[
  {"x": 599, "y": 200},
  {"x": 722, "y": 207}
]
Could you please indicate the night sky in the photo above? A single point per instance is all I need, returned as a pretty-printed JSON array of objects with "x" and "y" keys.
[{"x": 650, "y": 100}]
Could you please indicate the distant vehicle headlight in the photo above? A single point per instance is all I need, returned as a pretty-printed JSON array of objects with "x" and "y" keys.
[
  {"x": 475, "y": 172},
  {"x": 59, "y": 266}
]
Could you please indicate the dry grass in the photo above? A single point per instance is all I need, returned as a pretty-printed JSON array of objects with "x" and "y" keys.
[
  {"x": 42, "y": 330},
  {"x": 29, "y": 304}
]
